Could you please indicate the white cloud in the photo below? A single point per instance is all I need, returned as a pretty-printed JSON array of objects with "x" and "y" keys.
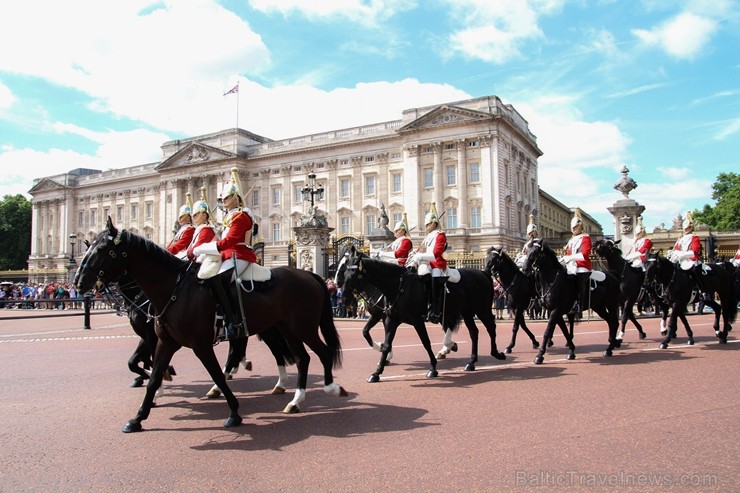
[
  {"x": 365, "y": 12},
  {"x": 674, "y": 173},
  {"x": 495, "y": 30},
  {"x": 684, "y": 36},
  {"x": 729, "y": 129},
  {"x": 7, "y": 98}
]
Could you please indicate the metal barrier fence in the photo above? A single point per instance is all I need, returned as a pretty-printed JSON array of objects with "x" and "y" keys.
[{"x": 67, "y": 307}]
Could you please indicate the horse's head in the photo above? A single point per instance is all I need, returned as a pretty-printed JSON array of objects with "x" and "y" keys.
[
  {"x": 104, "y": 261},
  {"x": 604, "y": 248},
  {"x": 350, "y": 273},
  {"x": 494, "y": 259},
  {"x": 534, "y": 257}
]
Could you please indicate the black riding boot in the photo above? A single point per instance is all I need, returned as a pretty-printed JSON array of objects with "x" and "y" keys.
[
  {"x": 582, "y": 282},
  {"x": 426, "y": 281},
  {"x": 697, "y": 274},
  {"x": 438, "y": 287},
  {"x": 233, "y": 326}
]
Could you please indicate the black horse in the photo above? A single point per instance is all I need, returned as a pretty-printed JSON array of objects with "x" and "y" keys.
[
  {"x": 297, "y": 302},
  {"x": 406, "y": 300},
  {"x": 519, "y": 290},
  {"x": 138, "y": 308},
  {"x": 679, "y": 289},
  {"x": 558, "y": 292},
  {"x": 630, "y": 282}
]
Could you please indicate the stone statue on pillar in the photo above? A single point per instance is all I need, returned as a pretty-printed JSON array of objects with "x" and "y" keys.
[{"x": 381, "y": 236}]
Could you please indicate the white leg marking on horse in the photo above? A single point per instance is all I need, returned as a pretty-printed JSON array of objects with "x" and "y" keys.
[
  {"x": 376, "y": 346},
  {"x": 333, "y": 389},
  {"x": 620, "y": 334},
  {"x": 282, "y": 382}
]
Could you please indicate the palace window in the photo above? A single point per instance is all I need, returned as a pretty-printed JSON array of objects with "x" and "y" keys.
[
  {"x": 451, "y": 218},
  {"x": 344, "y": 188},
  {"x": 474, "y": 173},
  {"x": 344, "y": 225},
  {"x": 451, "y": 175},
  {"x": 275, "y": 231},
  {"x": 396, "y": 183},
  {"x": 369, "y": 223},
  {"x": 370, "y": 185},
  {"x": 475, "y": 217},
  {"x": 428, "y": 178},
  {"x": 276, "y": 196}
]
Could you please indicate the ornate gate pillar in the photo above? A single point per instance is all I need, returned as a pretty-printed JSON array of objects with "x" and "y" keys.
[
  {"x": 312, "y": 237},
  {"x": 625, "y": 212}
]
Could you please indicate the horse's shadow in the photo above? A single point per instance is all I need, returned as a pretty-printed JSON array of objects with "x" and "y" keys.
[
  {"x": 462, "y": 379},
  {"x": 642, "y": 357}
]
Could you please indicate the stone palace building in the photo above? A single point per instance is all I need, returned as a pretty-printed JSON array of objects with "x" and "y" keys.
[{"x": 475, "y": 159}]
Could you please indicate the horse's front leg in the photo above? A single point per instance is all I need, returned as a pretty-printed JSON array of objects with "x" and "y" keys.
[
  {"x": 474, "y": 332},
  {"x": 372, "y": 322},
  {"x": 162, "y": 357},
  {"x": 519, "y": 313},
  {"x": 670, "y": 328},
  {"x": 547, "y": 336},
  {"x": 390, "y": 326},
  {"x": 208, "y": 358},
  {"x": 237, "y": 353},
  {"x": 448, "y": 345},
  {"x": 421, "y": 330},
  {"x": 568, "y": 334}
]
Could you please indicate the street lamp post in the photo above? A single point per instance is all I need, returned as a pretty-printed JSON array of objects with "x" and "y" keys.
[
  {"x": 72, "y": 265},
  {"x": 311, "y": 190}
]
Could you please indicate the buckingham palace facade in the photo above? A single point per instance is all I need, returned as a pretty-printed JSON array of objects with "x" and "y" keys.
[{"x": 475, "y": 159}]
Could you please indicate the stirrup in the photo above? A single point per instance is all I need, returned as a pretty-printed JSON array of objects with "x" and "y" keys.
[{"x": 232, "y": 331}]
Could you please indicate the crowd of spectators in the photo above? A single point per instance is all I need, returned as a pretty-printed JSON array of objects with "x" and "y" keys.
[{"x": 49, "y": 296}]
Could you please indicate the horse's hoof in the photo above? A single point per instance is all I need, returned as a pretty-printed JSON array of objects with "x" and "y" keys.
[
  {"x": 132, "y": 427},
  {"x": 499, "y": 356},
  {"x": 663, "y": 346},
  {"x": 608, "y": 352},
  {"x": 618, "y": 343},
  {"x": 663, "y": 332},
  {"x": 508, "y": 350},
  {"x": 229, "y": 376},
  {"x": 432, "y": 374},
  {"x": 247, "y": 365},
  {"x": 469, "y": 367},
  {"x": 571, "y": 357},
  {"x": 138, "y": 382},
  {"x": 233, "y": 421},
  {"x": 550, "y": 343},
  {"x": 171, "y": 370},
  {"x": 716, "y": 332},
  {"x": 277, "y": 390},
  {"x": 643, "y": 335},
  {"x": 538, "y": 360},
  {"x": 373, "y": 378},
  {"x": 690, "y": 342},
  {"x": 342, "y": 392},
  {"x": 454, "y": 347},
  {"x": 535, "y": 345},
  {"x": 166, "y": 376},
  {"x": 213, "y": 394},
  {"x": 723, "y": 340},
  {"x": 441, "y": 355},
  {"x": 291, "y": 409}
]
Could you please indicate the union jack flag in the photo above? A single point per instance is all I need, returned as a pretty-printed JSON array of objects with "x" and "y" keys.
[{"x": 233, "y": 90}]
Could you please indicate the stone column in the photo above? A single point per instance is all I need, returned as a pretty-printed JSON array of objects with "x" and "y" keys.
[
  {"x": 462, "y": 185},
  {"x": 438, "y": 177},
  {"x": 311, "y": 237},
  {"x": 625, "y": 212}
]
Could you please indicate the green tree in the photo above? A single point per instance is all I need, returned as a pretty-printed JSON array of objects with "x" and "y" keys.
[
  {"x": 725, "y": 215},
  {"x": 15, "y": 232}
]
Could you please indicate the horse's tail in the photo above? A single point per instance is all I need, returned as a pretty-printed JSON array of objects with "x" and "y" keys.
[{"x": 328, "y": 329}]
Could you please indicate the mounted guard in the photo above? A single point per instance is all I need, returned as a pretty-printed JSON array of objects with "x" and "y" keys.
[
  {"x": 640, "y": 248},
  {"x": 532, "y": 233},
  {"x": 204, "y": 230},
  {"x": 235, "y": 252},
  {"x": 431, "y": 265},
  {"x": 184, "y": 235},
  {"x": 687, "y": 253},
  {"x": 398, "y": 251},
  {"x": 577, "y": 261}
]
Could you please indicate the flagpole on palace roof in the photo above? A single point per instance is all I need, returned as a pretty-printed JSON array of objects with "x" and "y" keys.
[{"x": 237, "y": 106}]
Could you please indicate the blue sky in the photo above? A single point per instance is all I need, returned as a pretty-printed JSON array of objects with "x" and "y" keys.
[{"x": 653, "y": 84}]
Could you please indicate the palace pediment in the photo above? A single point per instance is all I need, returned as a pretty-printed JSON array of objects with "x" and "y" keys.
[
  {"x": 194, "y": 154},
  {"x": 46, "y": 185},
  {"x": 445, "y": 116}
]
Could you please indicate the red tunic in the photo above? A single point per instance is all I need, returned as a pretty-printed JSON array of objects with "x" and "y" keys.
[
  {"x": 689, "y": 242},
  {"x": 182, "y": 239},
  {"x": 580, "y": 244},
  {"x": 436, "y": 242},
  {"x": 401, "y": 251},
  {"x": 238, "y": 225},
  {"x": 203, "y": 234}
]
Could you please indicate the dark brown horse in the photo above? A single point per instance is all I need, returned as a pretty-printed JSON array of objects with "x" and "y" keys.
[{"x": 296, "y": 302}]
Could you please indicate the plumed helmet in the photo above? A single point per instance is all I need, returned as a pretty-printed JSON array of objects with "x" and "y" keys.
[
  {"x": 202, "y": 204},
  {"x": 639, "y": 229},
  {"x": 576, "y": 218},
  {"x": 187, "y": 208},
  {"x": 431, "y": 216},
  {"x": 688, "y": 221},
  {"x": 531, "y": 226},
  {"x": 232, "y": 187},
  {"x": 402, "y": 224}
]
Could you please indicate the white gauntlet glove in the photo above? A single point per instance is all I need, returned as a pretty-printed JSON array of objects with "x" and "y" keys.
[
  {"x": 387, "y": 255},
  {"x": 206, "y": 249}
]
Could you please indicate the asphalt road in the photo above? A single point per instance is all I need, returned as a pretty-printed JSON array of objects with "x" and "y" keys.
[{"x": 643, "y": 420}]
